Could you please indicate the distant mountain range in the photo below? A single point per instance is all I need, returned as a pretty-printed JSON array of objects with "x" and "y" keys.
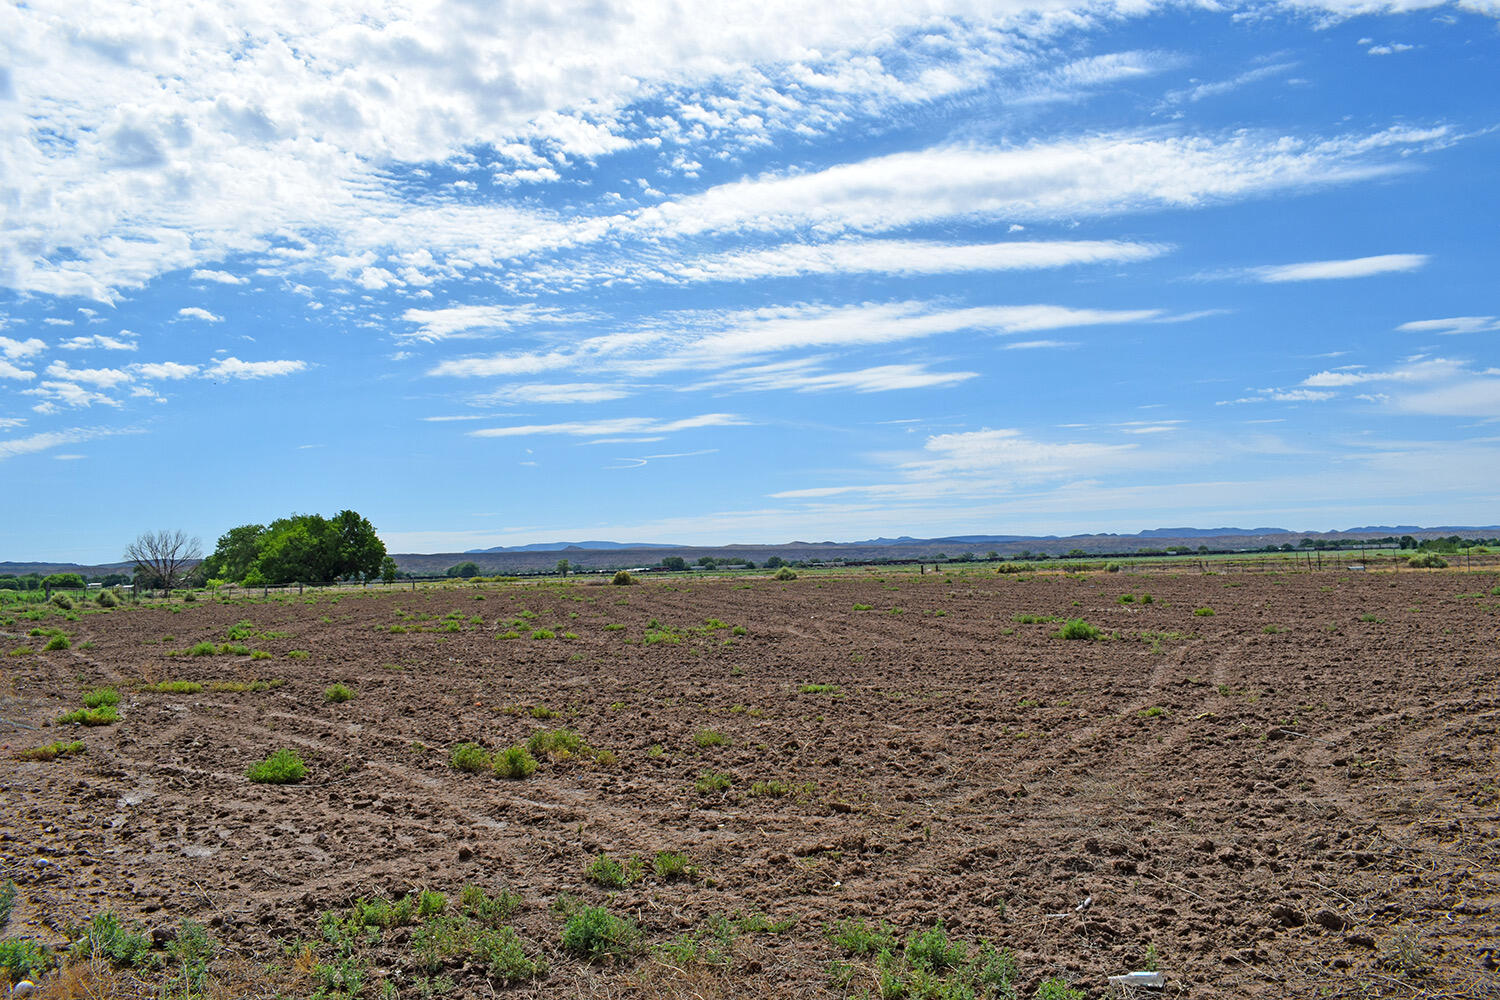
[{"x": 606, "y": 556}]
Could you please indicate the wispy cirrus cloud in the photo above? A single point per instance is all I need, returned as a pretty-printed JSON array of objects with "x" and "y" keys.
[
  {"x": 1453, "y": 325},
  {"x": 47, "y": 440},
  {"x": 614, "y": 426},
  {"x": 1334, "y": 270}
]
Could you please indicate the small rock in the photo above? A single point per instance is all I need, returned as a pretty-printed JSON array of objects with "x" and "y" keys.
[
  {"x": 1287, "y": 916},
  {"x": 464, "y": 854},
  {"x": 24, "y": 988},
  {"x": 1329, "y": 919}
]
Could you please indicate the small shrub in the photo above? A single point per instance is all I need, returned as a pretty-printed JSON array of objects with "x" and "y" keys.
[
  {"x": 1204, "y": 612},
  {"x": 62, "y": 602},
  {"x": 713, "y": 781},
  {"x": 284, "y": 767},
  {"x": 469, "y": 757},
  {"x": 1077, "y": 628},
  {"x": 107, "y": 937},
  {"x": 932, "y": 950},
  {"x": 504, "y": 957},
  {"x": 57, "y": 642},
  {"x": 593, "y": 932},
  {"x": 51, "y": 751},
  {"x": 202, "y": 649},
  {"x": 106, "y": 599},
  {"x": 1112, "y": 567},
  {"x": 23, "y": 958},
  {"x": 558, "y": 744},
  {"x": 785, "y": 573},
  {"x": 515, "y": 762},
  {"x": 337, "y": 694},
  {"x": 7, "y": 900},
  {"x": 623, "y": 579},
  {"x": 1427, "y": 560}
]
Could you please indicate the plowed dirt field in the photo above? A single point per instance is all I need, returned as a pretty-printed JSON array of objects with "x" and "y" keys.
[{"x": 1294, "y": 795}]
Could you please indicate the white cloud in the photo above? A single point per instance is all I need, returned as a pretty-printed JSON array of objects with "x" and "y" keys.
[
  {"x": 53, "y": 439},
  {"x": 194, "y": 312},
  {"x": 1473, "y": 397},
  {"x": 237, "y": 369},
  {"x": 1035, "y": 345},
  {"x": 562, "y": 392},
  {"x": 806, "y": 375},
  {"x": 501, "y": 364},
  {"x": 1217, "y": 88},
  {"x": 1422, "y": 370},
  {"x": 99, "y": 341},
  {"x": 170, "y": 370},
  {"x": 1358, "y": 267},
  {"x": 1098, "y": 175},
  {"x": 1453, "y": 324},
  {"x": 10, "y": 371},
  {"x": 615, "y": 426},
  {"x": 222, "y": 277},
  {"x": 16, "y": 350},
  {"x": 102, "y": 378},
  {"x": 857, "y": 256},
  {"x": 56, "y": 394},
  {"x": 481, "y": 320},
  {"x": 1390, "y": 48}
]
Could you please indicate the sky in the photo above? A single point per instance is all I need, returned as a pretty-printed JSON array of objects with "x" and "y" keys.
[{"x": 705, "y": 273}]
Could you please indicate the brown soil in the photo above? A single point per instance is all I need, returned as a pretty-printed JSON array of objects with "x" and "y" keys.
[{"x": 1303, "y": 802}]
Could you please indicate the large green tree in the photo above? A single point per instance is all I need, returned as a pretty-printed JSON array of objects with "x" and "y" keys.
[{"x": 301, "y": 548}]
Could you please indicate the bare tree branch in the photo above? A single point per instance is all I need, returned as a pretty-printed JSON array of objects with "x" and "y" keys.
[{"x": 164, "y": 554}]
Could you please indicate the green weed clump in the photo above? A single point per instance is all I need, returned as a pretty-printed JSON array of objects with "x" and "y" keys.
[
  {"x": 100, "y": 697},
  {"x": 105, "y": 715},
  {"x": 592, "y": 932},
  {"x": 785, "y": 573},
  {"x": 1204, "y": 612},
  {"x": 51, "y": 751},
  {"x": 1077, "y": 628},
  {"x": 57, "y": 642},
  {"x": 710, "y": 738},
  {"x": 670, "y": 865},
  {"x": 515, "y": 762},
  {"x": 23, "y": 958},
  {"x": 712, "y": 781},
  {"x": 622, "y": 579},
  {"x": 107, "y": 937},
  {"x": 284, "y": 767},
  {"x": 176, "y": 687},
  {"x": 489, "y": 909},
  {"x": 608, "y": 873},
  {"x": 337, "y": 694},
  {"x": 929, "y": 965},
  {"x": 469, "y": 757}
]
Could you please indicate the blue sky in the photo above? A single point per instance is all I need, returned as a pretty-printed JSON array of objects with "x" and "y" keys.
[{"x": 746, "y": 272}]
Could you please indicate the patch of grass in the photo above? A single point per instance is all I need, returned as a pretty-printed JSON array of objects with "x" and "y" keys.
[
  {"x": 862, "y": 607},
  {"x": 259, "y": 654},
  {"x": 489, "y": 909},
  {"x": 239, "y": 687},
  {"x": 785, "y": 573},
  {"x": 51, "y": 751},
  {"x": 99, "y": 697},
  {"x": 856, "y": 937},
  {"x": 7, "y": 900},
  {"x": 670, "y": 865},
  {"x": 22, "y": 651},
  {"x": 1154, "y": 712},
  {"x": 105, "y": 715},
  {"x": 592, "y": 932},
  {"x": 469, "y": 757},
  {"x": 504, "y": 958},
  {"x": 1273, "y": 629},
  {"x": 610, "y": 874},
  {"x": 1405, "y": 954},
  {"x": 710, "y": 738},
  {"x": 1077, "y": 628},
  {"x": 57, "y": 642},
  {"x": 712, "y": 781},
  {"x": 175, "y": 687},
  {"x": 298, "y": 654},
  {"x": 1030, "y": 619},
  {"x": 1204, "y": 612},
  {"x": 1058, "y": 989},
  {"x": 284, "y": 767},
  {"x": 515, "y": 762},
  {"x": 1367, "y": 617},
  {"x": 543, "y": 633},
  {"x": 337, "y": 694},
  {"x": 542, "y": 712},
  {"x": 204, "y": 648}
]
